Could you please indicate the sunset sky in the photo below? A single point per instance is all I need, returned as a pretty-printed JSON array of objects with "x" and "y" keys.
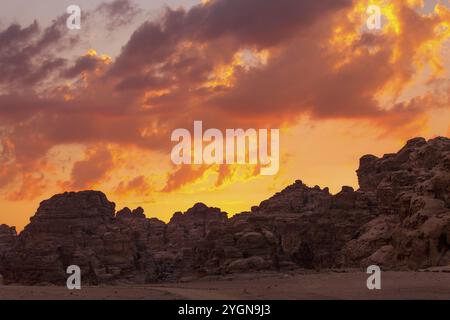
[{"x": 95, "y": 108}]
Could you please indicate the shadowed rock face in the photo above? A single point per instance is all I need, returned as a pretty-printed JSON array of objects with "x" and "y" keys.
[
  {"x": 8, "y": 237},
  {"x": 71, "y": 228},
  {"x": 412, "y": 195},
  {"x": 399, "y": 218}
]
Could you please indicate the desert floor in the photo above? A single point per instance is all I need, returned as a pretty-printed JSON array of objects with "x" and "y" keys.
[{"x": 293, "y": 285}]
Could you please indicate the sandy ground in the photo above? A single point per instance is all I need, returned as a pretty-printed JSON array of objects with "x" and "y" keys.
[{"x": 292, "y": 286}]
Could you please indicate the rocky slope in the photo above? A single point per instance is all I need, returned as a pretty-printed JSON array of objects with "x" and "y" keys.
[{"x": 399, "y": 219}]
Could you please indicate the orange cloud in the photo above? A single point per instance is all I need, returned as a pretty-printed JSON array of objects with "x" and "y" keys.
[
  {"x": 183, "y": 176},
  {"x": 92, "y": 169},
  {"x": 225, "y": 172},
  {"x": 137, "y": 186},
  {"x": 33, "y": 185},
  {"x": 229, "y": 63}
]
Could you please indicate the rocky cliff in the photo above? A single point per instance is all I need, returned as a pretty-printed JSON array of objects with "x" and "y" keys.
[
  {"x": 412, "y": 195},
  {"x": 398, "y": 219}
]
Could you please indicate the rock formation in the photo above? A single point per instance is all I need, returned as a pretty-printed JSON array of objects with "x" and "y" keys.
[
  {"x": 71, "y": 229},
  {"x": 398, "y": 219},
  {"x": 8, "y": 237},
  {"x": 412, "y": 194}
]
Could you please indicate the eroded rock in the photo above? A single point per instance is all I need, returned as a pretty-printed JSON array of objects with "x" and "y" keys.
[{"x": 398, "y": 219}]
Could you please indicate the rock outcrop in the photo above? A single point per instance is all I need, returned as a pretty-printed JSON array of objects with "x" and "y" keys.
[
  {"x": 399, "y": 219},
  {"x": 8, "y": 237},
  {"x": 412, "y": 195},
  {"x": 72, "y": 229}
]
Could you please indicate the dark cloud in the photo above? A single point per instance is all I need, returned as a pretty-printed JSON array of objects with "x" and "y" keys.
[
  {"x": 247, "y": 23},
  {"x": 142, "y": 82},
  {"x": 16, "y": 34},
  {"x": 17, "y": 107},
  {"x": 29, "y": 55},
  {"x": 86, "y": 63},
  {"x": 159, "y": 81},
  {"x": 119, "y": 12},
  {"x": 252, "y": 22}
]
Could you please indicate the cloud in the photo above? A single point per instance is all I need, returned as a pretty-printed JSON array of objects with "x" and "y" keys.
[
  {"x": 87, "y": 63},
  {"x": 16, "y": 34},
  {"x": 229, "y": 174},
  {"x": 225, "y": 172},
  {"x": 89, "y": 171},
  {"x": 29, "y": 55},
  {"x": 182, "y": 176},
  {"x": 332, "y": 77},
  {"x": 230, "y": 63},
  {"x": 137, "y": 186},
  {"x": 32, "y": 186},
  {"x": 119, "y": 13},
  {"x": 247, "y": 23}
]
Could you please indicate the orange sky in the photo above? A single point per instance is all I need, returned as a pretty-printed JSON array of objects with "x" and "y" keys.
[{"x": 76, "y": 116}]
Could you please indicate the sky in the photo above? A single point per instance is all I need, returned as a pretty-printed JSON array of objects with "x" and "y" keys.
[{"x": 94, "y": 108}]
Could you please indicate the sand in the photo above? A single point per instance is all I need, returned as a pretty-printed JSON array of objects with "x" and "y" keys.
[{"x": 265, "y": 286}]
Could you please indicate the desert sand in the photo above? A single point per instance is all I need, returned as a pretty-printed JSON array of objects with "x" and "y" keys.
[{"x": 261, "y": 286}]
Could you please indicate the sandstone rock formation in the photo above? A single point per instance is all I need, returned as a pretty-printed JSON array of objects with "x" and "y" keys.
[
  {"x": 399, "y": 219},
  {"x": 7, "y": 238},
  {"x": 412, "y": 192},
  {"x": 71, "y": 229}
]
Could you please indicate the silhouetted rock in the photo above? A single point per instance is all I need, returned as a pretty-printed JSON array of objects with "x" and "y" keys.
[
  {"x": 72, "y": 229},
  {"x": 399, "y": 219},
  {"x": 124, "y": 213},
  {"x": 127, "y": 213},
  {"x": 412, "y": 194},
  {"x": 8, "y": 237}
]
